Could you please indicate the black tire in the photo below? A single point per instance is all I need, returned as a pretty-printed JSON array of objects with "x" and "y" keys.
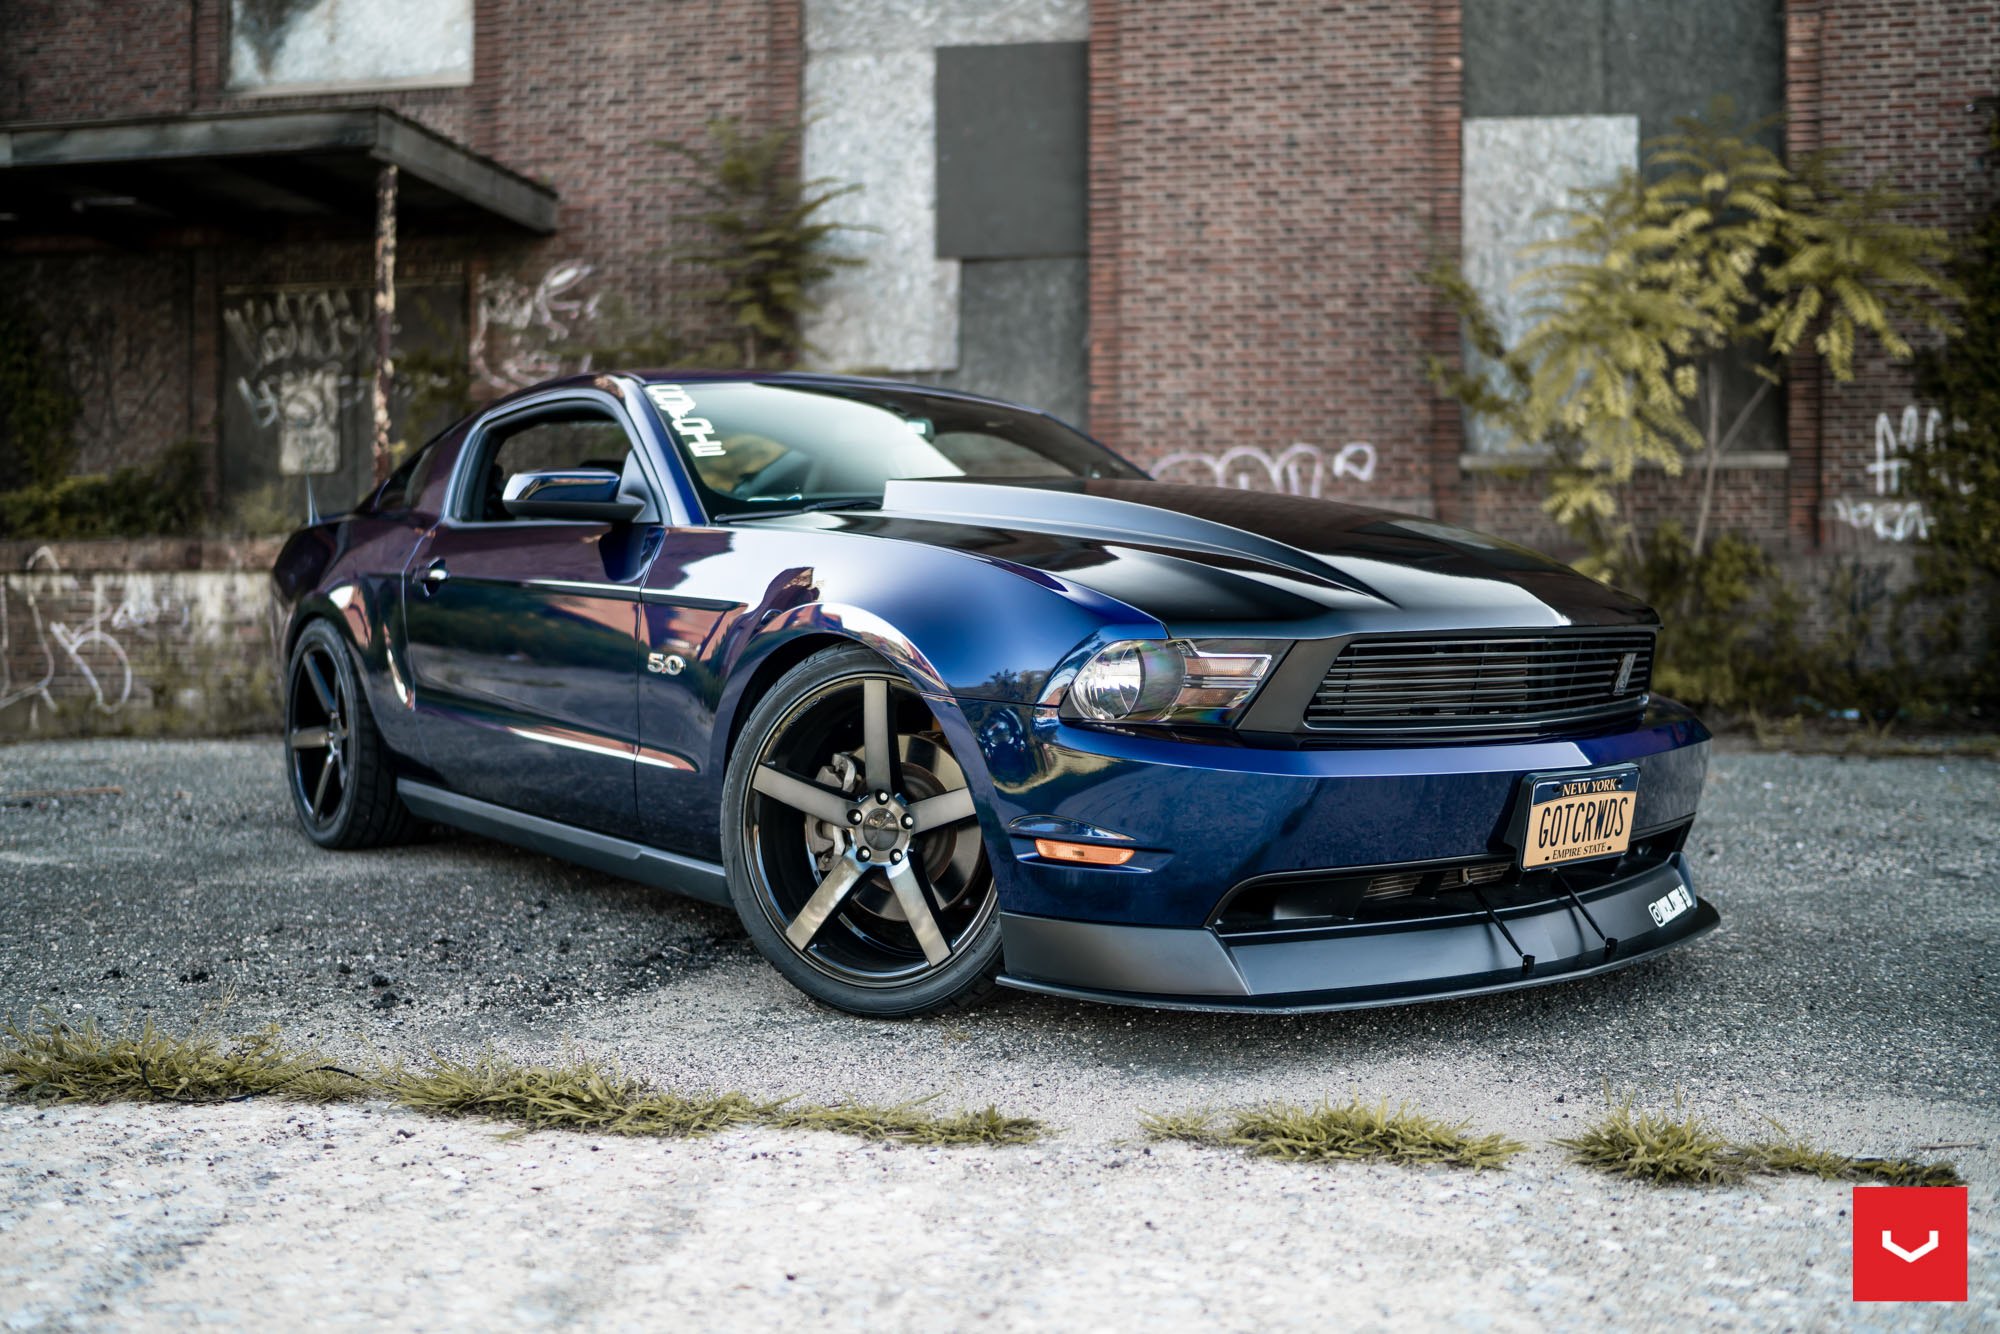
[
  {"x": 336, "y": 766},
  {"x": 824, "y": 888}
]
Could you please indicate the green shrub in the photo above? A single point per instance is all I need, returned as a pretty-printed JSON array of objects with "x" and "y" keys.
[
  {"x": 37, "y": 410},
  {"x": 163, "y": 498}
]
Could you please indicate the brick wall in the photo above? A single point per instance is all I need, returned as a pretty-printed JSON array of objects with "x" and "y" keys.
[
  {"x": 82, "y": 59},
  {"x": 576, "y": 93},
  {"x": 1905, "y": 90},
  {"x": 1266, "y": 180},
  {"x": 1265, "y": 183},
  {"x": 136, "y": 637},
  {"x": 570, "y": 93}
]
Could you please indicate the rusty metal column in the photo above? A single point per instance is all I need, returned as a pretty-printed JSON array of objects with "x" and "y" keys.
[{"x": 385, "y": 309}]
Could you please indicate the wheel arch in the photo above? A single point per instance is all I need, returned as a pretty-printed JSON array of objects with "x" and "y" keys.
[
  {"x": 768, "y": 670},
  {"x": 798, "y": 634},
  {"x": 363, "y": 626}
]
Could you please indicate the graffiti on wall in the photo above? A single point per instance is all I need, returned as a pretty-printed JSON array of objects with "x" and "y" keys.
[
  {"x": 84, "y": 663},
  {"x": 1885, "y": 514},
  {"x": 519, "y": 328},
  {"x": 1300, "y": 470},
  {"x": 299, "y": 356}
]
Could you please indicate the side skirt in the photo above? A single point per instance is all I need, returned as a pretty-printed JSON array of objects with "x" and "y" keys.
[{"x": 601, "y": 852}]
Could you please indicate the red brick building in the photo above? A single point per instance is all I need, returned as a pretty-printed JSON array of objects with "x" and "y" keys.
[{"x": 1197, "y": 225}]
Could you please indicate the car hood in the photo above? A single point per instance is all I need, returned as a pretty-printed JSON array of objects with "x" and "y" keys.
[{"x": 1219, "y": 560}]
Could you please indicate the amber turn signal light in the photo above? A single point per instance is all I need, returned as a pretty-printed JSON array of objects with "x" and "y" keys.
[{"x": 1086, "y": 854}]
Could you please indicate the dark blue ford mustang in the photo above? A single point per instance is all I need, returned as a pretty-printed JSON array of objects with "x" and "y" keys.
[{"x": 940, "y": 695}]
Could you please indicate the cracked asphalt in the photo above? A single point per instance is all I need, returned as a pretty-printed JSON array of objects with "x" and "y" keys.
[{"x": 1851, "y": 995}]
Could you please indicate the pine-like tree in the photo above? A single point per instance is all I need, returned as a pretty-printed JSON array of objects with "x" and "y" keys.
[
  {"x": 766, "y": 243},
  {"x": 1716, "y": 254}
]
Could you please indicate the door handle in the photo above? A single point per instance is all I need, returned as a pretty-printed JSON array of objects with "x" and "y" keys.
[{"x": 434, "y": 576}]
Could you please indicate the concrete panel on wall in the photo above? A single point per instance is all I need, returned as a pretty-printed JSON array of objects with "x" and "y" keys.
[
  {"x": 298, "y": 45},
  {"x": 871, "y": 108},
  {"x": 925, "y": 24},
  {"x": 1641, "y": 58},
  {"x": 871, "y": 123},
  {"x": 1024, "y": 334},
  {"x": 1012, "y": 150},
  {"x": 1515, "y": 168}
]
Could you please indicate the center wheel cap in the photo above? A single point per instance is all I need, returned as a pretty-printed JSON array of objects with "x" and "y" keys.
[{"x": 881, "y": 827}]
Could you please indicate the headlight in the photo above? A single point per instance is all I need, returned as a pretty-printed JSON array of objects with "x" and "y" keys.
[{"x": 1172, "y": 681}]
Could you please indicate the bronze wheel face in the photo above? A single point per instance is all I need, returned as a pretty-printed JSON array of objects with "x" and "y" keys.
[{"x": 859, "y": 835}]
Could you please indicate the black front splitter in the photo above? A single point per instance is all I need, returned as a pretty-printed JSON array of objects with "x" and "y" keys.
[{"x": 1391, "y": 964}]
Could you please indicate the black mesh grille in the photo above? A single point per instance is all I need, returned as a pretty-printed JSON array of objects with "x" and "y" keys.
[{"x": 1466, "y": 687}]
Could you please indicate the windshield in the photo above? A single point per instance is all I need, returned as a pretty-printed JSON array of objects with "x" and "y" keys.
[{"x": 756, "y": 448}]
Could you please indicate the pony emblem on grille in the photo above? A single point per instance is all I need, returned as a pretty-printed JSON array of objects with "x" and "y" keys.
[{"x": 1624, "y": 680}]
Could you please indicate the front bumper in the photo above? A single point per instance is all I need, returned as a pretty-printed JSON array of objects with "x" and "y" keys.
[
  {"x": 1357, "y": 966},
  {"x": 1204, "y": 819}
]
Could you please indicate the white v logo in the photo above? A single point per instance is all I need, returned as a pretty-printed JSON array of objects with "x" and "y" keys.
[{"x": 1889, "y": 1244}]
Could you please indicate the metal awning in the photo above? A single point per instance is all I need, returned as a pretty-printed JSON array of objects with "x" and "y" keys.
[{"x": 245, "y": 171}]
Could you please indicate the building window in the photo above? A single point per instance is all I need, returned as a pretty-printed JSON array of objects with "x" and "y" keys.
[{"x": 300, "y": 46}]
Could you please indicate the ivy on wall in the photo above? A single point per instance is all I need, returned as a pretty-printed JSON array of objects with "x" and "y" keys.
[{"x": 37, "y": 411}]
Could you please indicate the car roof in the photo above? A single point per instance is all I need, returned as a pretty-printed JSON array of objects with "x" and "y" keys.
[{"x": 589, "y": 379}]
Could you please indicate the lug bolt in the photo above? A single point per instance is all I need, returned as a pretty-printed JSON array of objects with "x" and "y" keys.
[
  {"x": 895, "y": 856},
  {"x": 862, "y": 854},
  {"x": 882, "y": 797},
  {"x": 909, "y": 822},
  {"x": 854, "y": 815}
]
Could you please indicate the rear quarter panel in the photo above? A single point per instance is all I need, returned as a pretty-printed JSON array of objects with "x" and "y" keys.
[{"x": 350, "y": 571}]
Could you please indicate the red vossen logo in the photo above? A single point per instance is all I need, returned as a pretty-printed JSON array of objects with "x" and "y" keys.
[{"x": 1909, "y": 1244}]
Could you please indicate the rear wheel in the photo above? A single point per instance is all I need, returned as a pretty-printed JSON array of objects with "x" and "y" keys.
[
  {"x": 342, "y": 786},
  {"x": 853, "y": 847}
]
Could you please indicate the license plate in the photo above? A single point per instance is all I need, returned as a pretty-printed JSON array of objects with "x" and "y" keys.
[
  {"x": 1578, "y": 817},
  {"x": 1676, "y": 902}
]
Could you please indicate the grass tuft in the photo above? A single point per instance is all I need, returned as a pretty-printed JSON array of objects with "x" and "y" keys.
[
  {"x": 1337, "y": 1132},
  {"x": 51, "y": 1060},
  {"x": 1791, "y": 1153},
  {"x": 1194, "y": 1126},
  {"x": 910, "y": 1123},
  {"x": 1679, "y": 1148},
  {"x": 584, "y": 1095},
  {"x": 54, "y": 1061},
  {"x": 1676, "y": 1148},
  {"x": 1355, "y": 1130}
]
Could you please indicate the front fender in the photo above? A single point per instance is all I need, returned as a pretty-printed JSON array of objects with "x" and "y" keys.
[{"x": 794, "y": 634}]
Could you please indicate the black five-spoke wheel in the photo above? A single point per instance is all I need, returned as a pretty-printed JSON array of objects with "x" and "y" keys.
[
  {"x": 854, "y": 853},
  {"x": 341, "y": 784},
  {"x": 317, "y": 736}
]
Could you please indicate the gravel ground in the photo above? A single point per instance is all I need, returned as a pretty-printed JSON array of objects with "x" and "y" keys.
[{"x": 1851, "y": 995}]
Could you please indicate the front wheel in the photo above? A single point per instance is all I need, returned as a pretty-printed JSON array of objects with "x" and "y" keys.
[{"x": 852, "y": 844}]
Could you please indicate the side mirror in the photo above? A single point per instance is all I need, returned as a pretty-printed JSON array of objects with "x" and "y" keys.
[{"x": 570, "y": 493}]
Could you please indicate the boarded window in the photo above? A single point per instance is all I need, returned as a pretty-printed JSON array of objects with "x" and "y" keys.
[{"x": 292, "y": 45}]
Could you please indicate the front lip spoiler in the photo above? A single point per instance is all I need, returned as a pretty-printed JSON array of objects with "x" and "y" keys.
[{"x": 1194, "y": 969}]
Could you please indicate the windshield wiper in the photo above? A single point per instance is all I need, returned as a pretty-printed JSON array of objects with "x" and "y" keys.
[
  {"x": 831, "y": 503},
  {"x": 844, "y": 503}
]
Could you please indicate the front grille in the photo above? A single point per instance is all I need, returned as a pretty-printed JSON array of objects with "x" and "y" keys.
[
  {"x": 1295, "y": 902},
  {"x": 1473, "y": 687},
  {"x": 1402, "y": 884}
]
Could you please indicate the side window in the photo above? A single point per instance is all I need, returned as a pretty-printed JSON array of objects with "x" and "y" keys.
[
  {"x": 405, "y": 486},
  {"x": 571, "y": 436}
]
